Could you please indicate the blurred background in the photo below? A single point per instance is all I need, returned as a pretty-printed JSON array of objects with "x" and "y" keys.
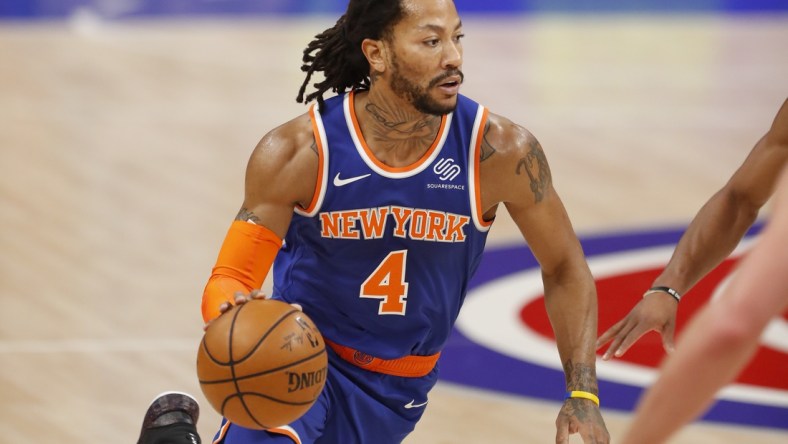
[
  {"x": 125, "y": 127},
  {"x": 119, "y": 9}
]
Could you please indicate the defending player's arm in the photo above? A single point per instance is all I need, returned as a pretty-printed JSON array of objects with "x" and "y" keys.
[
  {"x": 281, "y": 173},
  {"x": 514, "y": 171},
  {"x": 721, "y": 339},
  {"x": 711, "y": 236}
]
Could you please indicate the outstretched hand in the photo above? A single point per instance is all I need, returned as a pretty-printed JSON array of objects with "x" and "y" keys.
[
  {"x": 654, "y": 312},
  {"x": 581, "y": 416}
]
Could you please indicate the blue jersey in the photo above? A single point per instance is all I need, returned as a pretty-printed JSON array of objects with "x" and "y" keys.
[{"x": 382, "y": 257}]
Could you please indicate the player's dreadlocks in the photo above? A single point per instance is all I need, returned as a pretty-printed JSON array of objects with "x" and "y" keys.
[{"x": 339, "y": 54}]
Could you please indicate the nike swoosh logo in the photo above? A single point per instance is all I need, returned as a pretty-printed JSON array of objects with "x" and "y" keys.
[
  {"x": 338, "y": 182},
  {"x": 411, "y": 404}
]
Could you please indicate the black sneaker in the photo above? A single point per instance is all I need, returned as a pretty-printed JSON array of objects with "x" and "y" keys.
[{"x": 171, "y": 418}]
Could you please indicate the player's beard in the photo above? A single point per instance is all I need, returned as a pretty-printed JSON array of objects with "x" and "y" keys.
[{"x": 419, "y": 96}]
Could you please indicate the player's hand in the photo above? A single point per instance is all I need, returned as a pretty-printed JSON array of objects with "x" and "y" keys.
[
  {"x": 581, "y": 416},
  {"x": 240, "y": 299},
  {"x": 654, "y": 312}
]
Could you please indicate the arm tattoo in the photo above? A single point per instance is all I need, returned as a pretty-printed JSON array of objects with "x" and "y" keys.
[
  {"x": 580, "y": 377},
  {"x": 314, "y": 146},
  {"x": 535, "y": 165},
  {"x": 487, "y": 149},
  {"x": 247, "y": 216}
]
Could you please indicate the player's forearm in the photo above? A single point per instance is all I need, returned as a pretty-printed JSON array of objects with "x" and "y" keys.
[
  {"x": 711, "y": 236},
  {"x": 570, "y": 300},
  {"x": 715, "y": 349},
  {"x": 719, "y": 341}
]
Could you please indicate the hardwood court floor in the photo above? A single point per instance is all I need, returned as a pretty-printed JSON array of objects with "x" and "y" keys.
[{"x": 122, "y": 148}]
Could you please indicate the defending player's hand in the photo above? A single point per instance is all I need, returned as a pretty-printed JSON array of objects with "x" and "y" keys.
[
  {"x": 581, "y": 416},
  {"x": 654, "y": 312}
]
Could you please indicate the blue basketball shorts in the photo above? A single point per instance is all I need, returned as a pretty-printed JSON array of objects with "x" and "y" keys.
[{"x": 356, "y": 406}]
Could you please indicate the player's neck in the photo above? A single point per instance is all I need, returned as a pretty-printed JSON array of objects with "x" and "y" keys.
[{"x": 394, "y": 130}]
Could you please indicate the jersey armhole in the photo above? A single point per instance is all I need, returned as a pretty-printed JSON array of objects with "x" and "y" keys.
[
  {"x": 322, "y": 164},
  {"x": 474, "y": 159}
]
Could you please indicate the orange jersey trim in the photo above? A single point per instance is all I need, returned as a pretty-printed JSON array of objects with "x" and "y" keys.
[
  {"x": 222, "y": 432},
  {"x": 427, "y": 155},
  {"x": 286, "y": 431},
  {"x": 407, "y": 366}
]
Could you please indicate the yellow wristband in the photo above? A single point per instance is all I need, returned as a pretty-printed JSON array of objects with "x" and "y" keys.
[{"x": 582, "y": 394}]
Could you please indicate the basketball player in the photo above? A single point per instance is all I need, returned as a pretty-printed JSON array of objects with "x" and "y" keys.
[
  {"x": 710, "y": 238},
  {"x": 374, "y": 207},
  {"x": 722, "y": 337}
]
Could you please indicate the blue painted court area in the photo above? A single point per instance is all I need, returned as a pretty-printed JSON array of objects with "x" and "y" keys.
[
  {"x": 124, "y": 9},
  {"x": 468, "y": 362}
]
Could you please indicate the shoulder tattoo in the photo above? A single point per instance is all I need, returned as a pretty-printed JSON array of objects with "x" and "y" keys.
[
  {"x": 535, "y": 165},
  {"x": 487, "y": 149}
]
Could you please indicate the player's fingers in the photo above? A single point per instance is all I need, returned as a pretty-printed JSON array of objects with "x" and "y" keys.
[
  {"x": 609, "y": 334},
  {"x": 223, "y": 307},
  {"x": 630, "y": 338},
  {"x": 667, "y": 338},
  {"x": 615, "y": 341},
  {"x": 602, "y": 436},
  {"x": 594, "y": 435},
  {"x": 298, "y": 307},
  {"x": 618, "y": 339},
  {"x": 562, "y": 434},
  {"x": 240, "y": 298},
  {"x": 562, "y": 428},
  {"x": 588, "y": 438},
  {"x": 257, "y": 294}
]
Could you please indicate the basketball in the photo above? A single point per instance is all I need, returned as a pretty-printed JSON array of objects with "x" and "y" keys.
[{"x": 262, "y": 364}]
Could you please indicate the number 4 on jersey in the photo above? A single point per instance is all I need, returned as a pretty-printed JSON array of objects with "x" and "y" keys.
[{"x": 387, "y": 283}]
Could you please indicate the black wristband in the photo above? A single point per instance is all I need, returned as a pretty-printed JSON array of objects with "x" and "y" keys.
[{"x": 667, "y": 290}]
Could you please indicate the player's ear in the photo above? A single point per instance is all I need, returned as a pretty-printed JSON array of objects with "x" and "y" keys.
[{"x": 375, "y": 52}]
